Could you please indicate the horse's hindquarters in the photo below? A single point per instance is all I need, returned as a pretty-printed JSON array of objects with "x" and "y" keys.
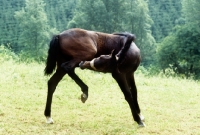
[{"x": 79, "y": 46}]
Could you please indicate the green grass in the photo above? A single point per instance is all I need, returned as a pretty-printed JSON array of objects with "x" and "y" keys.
[{"x": 170, "y": 105}]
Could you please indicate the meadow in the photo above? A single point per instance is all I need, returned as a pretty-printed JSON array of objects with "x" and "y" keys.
[{"x": 170, "y": 105}]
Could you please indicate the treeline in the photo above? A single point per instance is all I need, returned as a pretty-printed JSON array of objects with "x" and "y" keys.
[
  {"x": 167, "y": 31},
  {"x": 180, "y": 50}
]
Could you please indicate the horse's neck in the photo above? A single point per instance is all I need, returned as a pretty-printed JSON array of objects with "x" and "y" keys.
[{"x": 107, "y": 42}]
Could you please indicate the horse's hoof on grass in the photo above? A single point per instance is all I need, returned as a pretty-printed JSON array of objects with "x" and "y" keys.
[
  {"x": 141, "y": 125},
  {"x": 49, "y": 120},
  {"x": 83, "y": 97}
]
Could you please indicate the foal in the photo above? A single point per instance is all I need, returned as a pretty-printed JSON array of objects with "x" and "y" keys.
[
  {"x": 70, "y": 47},
  {"x": 126, "y": 68}
]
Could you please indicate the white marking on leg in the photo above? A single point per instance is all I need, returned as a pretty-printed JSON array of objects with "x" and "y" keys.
[
  {"x": 117, "y": 58},
  {"x": 49, "y": 120},
  {"x": 84, "y": 96},
  {"x": 92, "y": 64},
  {"x": 141, "y": 117}
]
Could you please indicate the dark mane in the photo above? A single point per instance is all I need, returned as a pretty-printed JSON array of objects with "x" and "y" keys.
[
  {"x": 127, "y": 40},
  {"x": 126, "y": 34}
]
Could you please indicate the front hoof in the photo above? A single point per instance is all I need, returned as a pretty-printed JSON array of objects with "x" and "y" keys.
[
  {"x": 141, "y": 125},
  {"x": 49, "y": 120},
  {"x": 83, "y": 97}
]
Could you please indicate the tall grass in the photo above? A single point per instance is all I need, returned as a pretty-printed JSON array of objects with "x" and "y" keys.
[{"x": 170, "y": 105}]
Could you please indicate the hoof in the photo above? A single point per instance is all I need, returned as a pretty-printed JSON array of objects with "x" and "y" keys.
[
  {"x": 49, "y": 120},
  {"x": 83, "y": 97},
  {"x": 141, "y": 125}
]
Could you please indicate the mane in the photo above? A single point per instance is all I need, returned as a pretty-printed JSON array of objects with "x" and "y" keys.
[
  {"x": 127, "y": 40},
  {"x": 125, "y": 34}
]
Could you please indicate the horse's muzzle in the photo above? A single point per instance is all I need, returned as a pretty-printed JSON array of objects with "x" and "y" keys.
[{"x": 81, "y": 64}]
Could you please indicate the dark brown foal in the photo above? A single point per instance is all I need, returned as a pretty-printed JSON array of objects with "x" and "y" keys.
[{"x": 72, "y": 46}]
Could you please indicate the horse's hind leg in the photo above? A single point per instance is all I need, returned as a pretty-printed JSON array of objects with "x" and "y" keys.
[
  {"x": 123, "y": 84},
  {"x": 52, "y": 83},
  {"x": 133, "y": 89},
  {"x": 84, "y": 87},
  {"x": 69, "y": 68}
]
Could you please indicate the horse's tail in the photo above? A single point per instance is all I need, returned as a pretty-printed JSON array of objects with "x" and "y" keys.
[
  {"x": 129, "y": 38},
  {"x": 52, "y": 55}
]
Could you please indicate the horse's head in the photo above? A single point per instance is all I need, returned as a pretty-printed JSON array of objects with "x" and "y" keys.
[{"x": 104, "y": 63}]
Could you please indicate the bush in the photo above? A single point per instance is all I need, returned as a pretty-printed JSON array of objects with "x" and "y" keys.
[{"x": 7, "y": 54}]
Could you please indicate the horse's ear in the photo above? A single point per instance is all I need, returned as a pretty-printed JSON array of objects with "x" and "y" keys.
[{"x": 113, "y": 53}]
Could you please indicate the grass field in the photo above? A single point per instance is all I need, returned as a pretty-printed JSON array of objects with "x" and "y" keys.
[{"x": 170, "y": 105}]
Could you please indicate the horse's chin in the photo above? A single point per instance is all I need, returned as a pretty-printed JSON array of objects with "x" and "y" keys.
[{"x": 103, "y": 70}]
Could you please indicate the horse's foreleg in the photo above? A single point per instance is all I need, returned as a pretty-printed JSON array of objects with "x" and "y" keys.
[
  {"x": 121, "y": 80},
  {"x": 52, "y": 83},
  {"x": 131, "y": 82}
]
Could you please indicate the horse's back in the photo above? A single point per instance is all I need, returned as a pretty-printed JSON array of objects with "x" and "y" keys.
[
  {"x": 85, "y": 45},
  {"x": 78, "y": 43}
]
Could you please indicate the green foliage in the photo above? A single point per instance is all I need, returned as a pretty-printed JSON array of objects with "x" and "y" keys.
[
  {"x": 117, "y": 15},
  {"x": 180, "y": 51},
  {"x": 59, "y": 12},
  {"x": 139, "y": 22},
  {"x": 32, "y": 20},
  {"x": 6, "y": 54},
  {"x": 191, "y": 10},
  {"x": 8, "y": 25},
  {"x": 165, "y": 14},
  {"x": 99, "y": 15},
  {"x": 21, "y": 21},
  {"x": 165, "y": 52},
  {"x": 188, "y": 50}
]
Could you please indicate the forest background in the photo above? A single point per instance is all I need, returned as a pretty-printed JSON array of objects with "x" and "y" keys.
[{"x": 168, "y": 31}]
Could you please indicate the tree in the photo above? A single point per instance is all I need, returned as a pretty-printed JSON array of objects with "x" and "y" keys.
[
  {"x": 32, "y": 21},
  {"x": 99, "y": 15},
  {"x": 188, "y": 38},
  {"x": 8, "y": 25},
  {"x": 60, "y": 12},
  {"x": 191, "y": 12},
  {"x": 89, "y": 15},
  {"x": 164, "y": 13},
  {"x": 188, "y": 50},
  {"x": 166, "y": 53},
  {"x": 115, "y": 15},
  {"x": 180, "y": 51},
  {"x": 139, "y": 22}
]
